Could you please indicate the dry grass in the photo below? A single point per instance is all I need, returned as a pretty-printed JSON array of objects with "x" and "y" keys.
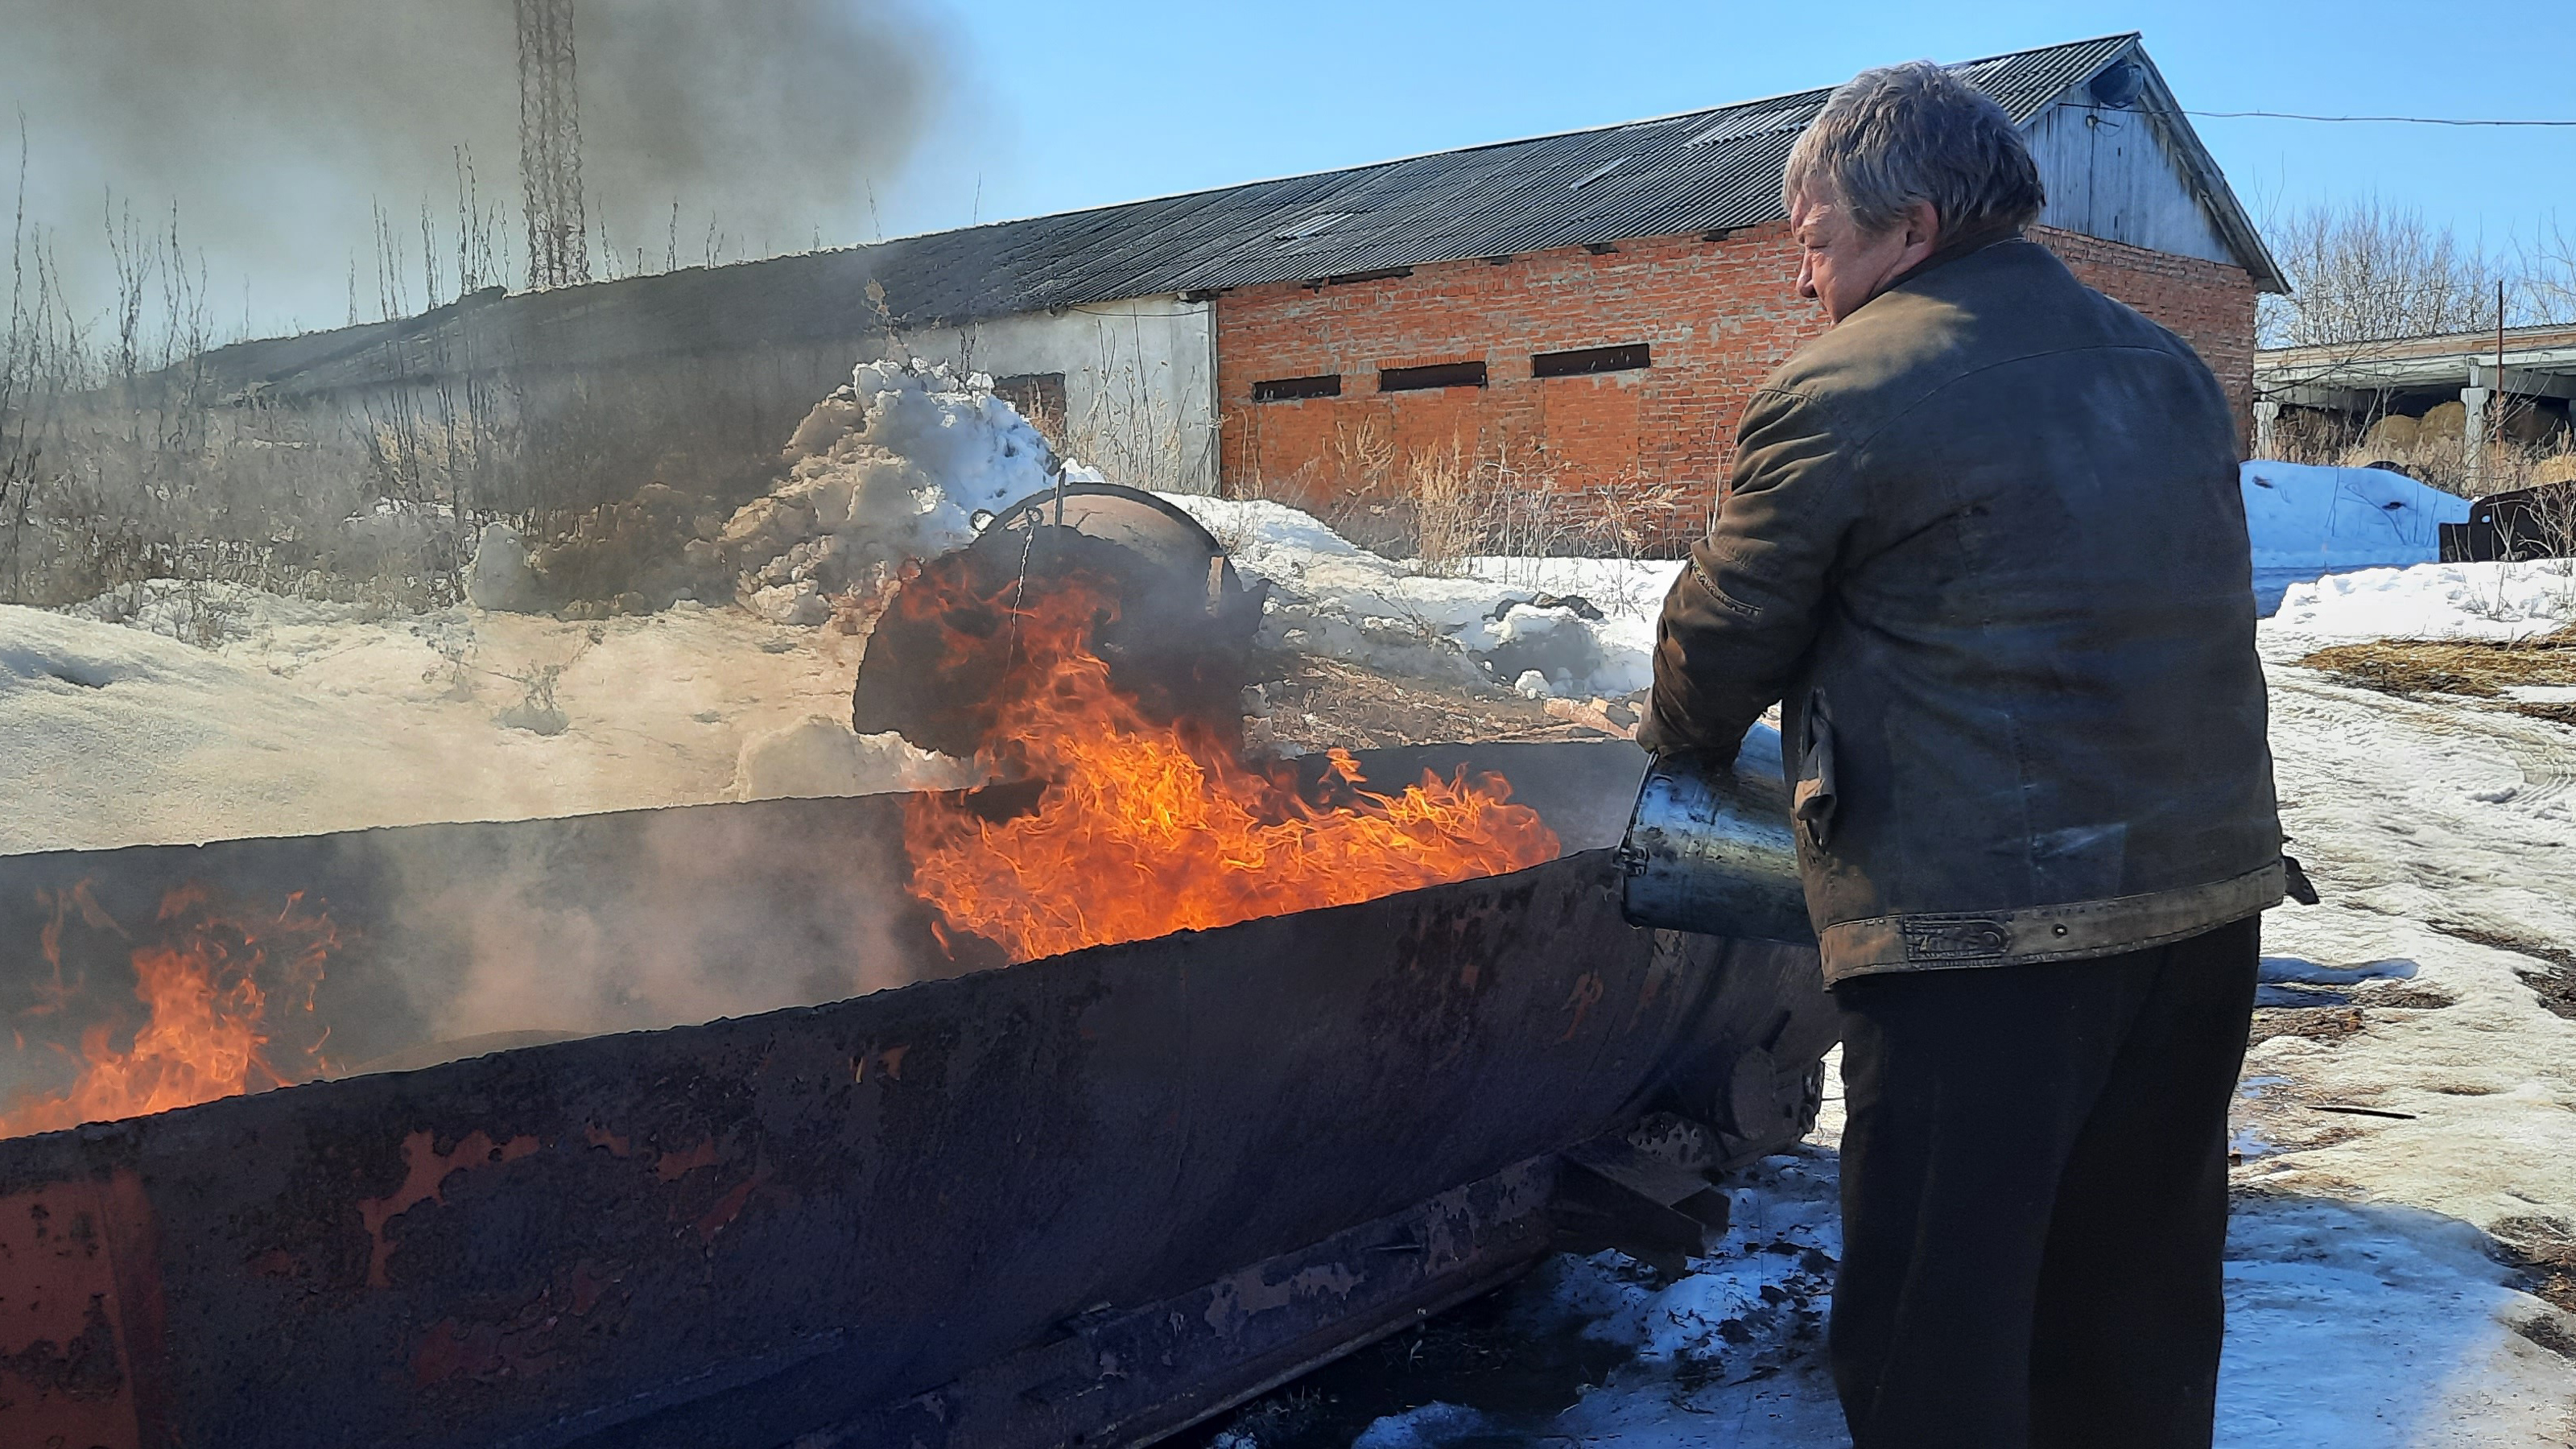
[
  {"x": 2318, "y": 1024},
  {"x": 1443, "y": 506},
  {"x": 2478, "y": 668},
  {"x": 2436, "y": 456},
  {"x": 2545, "y": 1248},
  {"x": 1317, "y": 704}
]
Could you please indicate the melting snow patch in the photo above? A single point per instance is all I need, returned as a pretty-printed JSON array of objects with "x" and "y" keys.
[
  {"x": 1428, "y": 1427},
  {"x": 1731, "y": 1351},
  {"x": 2361, "y": 1327},
  {"x": 2351, "y": 1327}
]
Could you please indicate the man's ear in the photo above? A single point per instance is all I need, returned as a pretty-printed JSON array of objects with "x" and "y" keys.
[{"x": 1922, "y": 231}]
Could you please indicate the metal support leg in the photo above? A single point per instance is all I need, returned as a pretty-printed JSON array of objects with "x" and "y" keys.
[{"x": 2473, "y": 433}]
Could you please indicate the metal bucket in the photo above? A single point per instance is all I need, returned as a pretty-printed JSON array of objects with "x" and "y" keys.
[{"x": 1710, "y": 847}]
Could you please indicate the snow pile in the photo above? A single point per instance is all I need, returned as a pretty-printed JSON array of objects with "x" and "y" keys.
[
  {"x": 2432, "y": 601},
  {"x": 500, "y": 577},
  {"x": 2325, "y": 519},
  {"x": 892, "y": 467},
  {"x": 1505, "y": 621},
  {"x": 819, "y": 757}
]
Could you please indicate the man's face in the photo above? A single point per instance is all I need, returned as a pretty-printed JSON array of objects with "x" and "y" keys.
[{"x": 1843, "y": 266}]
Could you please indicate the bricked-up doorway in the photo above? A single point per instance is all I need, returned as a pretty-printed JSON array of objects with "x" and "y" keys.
[{"x": 1040, "y": 398}]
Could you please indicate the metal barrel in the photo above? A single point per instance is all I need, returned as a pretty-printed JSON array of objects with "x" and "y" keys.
[{"x": 1710, "y": 847}]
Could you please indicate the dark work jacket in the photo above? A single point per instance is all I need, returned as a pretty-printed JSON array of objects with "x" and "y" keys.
[{"x": 1985, "y": 546}]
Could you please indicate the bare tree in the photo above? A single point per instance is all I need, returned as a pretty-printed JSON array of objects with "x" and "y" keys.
[
  {"x": 2549, "y": 272},
  {"x": 2368, "y": 271}
]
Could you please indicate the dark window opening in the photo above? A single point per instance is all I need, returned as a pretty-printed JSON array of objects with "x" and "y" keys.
[
  {"x": 1289, "y": 389},
  {"x": 1040, "y": 398},
  {"x": 1590, "y": 359},
  {"x": 1438, "y": 374}
]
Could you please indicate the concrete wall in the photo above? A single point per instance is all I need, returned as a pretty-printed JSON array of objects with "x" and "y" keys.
[{"x": 1139, "y": 398}]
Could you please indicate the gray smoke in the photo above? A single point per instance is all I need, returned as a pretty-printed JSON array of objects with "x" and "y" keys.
[{"x": 276, "y": 125}]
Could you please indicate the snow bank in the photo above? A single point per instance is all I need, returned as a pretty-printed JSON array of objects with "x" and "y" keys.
[
  {"x": 2432, "y": 601},
  {"x": 170, "y": 722},
  {"x": 2300, "y": 516},
  {"x": 55, "y": 654},
  {"x": 1583, "y": 626},
  {"x": 209, "y": 615},
  {"x": 892, "y": 467}
]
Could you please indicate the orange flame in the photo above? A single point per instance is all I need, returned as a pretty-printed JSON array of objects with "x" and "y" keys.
[
  {"x": 1145, "y": 829},
  {"x": 206, "y": 986}
]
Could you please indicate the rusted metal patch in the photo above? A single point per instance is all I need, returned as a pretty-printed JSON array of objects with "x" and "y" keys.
[
  {"x": 425, "y": 1180},
  {"x": 67, "y": 1375}
]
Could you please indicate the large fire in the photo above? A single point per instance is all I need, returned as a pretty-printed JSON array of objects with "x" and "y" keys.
[
  {"x": 1147, "y": 828},
  {"x": 207, "y": 984}
]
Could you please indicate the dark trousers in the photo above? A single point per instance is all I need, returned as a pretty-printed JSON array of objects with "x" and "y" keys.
[{"x": 2035, "y": 1198}]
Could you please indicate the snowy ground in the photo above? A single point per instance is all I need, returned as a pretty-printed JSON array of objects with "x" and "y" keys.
[{"x": 312, "y": 717}]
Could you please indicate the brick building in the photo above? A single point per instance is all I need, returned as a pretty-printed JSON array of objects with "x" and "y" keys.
[
  {"x": 1595, "y": 305},
  {"x": 1625, "y": 357}
]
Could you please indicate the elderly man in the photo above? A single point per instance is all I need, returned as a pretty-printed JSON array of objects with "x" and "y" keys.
[{"x": 1984, "y": 546}]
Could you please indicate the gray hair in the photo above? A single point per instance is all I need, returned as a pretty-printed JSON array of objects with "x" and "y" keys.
[{"x": 1900, "y": 134}]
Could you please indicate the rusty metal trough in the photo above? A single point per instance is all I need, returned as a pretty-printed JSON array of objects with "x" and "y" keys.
[{"x": 1085, "y": 1200}]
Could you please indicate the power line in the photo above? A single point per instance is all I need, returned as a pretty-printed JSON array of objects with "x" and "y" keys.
[{"x": 2391, "y": 120}]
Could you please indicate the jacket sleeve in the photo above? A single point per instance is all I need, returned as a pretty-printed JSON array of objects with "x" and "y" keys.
[{"x": 1738, "y": 621}]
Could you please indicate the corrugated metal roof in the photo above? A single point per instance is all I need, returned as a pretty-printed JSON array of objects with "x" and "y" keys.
[{"x": 1707, "y": 170}]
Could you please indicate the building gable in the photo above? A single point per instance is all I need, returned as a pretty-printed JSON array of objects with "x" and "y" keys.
[{"x": 2110, "y": 175}]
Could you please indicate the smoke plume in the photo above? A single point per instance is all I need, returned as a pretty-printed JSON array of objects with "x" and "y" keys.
[{"x": 278, "y": 126}]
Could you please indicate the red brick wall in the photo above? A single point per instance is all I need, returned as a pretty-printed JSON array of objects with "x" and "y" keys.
[
  {"x": 2208, "y": 304},
  {"x": 1718, "y": 315}
]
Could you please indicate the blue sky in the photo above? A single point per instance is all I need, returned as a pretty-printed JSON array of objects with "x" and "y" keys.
[{"x": 1083, "y": 104}]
